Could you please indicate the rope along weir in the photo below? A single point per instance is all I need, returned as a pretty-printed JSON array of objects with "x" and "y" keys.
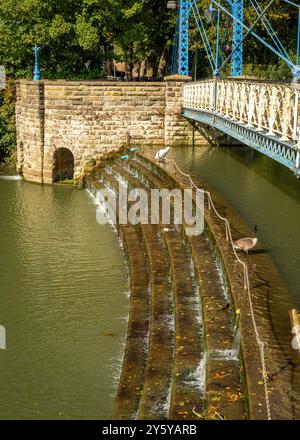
[{"x": 260, "y": 342}]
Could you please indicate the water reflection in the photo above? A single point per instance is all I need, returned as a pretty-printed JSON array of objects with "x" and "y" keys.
[{"x": 62, "y": 284}]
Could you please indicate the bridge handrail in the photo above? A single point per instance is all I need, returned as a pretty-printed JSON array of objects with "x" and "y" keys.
[
  {"x": 270, "y": 107},
  {"x": 248, "y": 80}
]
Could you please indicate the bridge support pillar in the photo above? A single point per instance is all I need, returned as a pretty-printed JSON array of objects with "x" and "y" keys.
[
  {"x": 237, "y": 37},
  {"x": 184, "y": 15},
  {"x": 178, "y": 131}
]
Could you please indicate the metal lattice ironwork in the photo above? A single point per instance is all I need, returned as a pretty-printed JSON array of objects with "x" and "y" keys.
[
  {"x": 184, "y": 15},
  {"x": 237, "y": 38},
  {"x": 180, "y": 60},
  {"x": 235, "y": 10},
  {"x": 63, "y": 165},
  {"x": 283, "y": 152}
]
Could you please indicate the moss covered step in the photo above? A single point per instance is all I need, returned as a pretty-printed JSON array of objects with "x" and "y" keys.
[
  {"x": 154, "y": 402},
  {"x": 133, "y": 369},
  {"x": 223, "y": 386},
  {"x": 134, "y": 361},
  {"x": 186, "y": 388},
  {"x": 158, "y": 371},
  {"x": 150, "y": 178},
  {"x": 224, "y": 394},
  {"x": 270, "y": 299}
]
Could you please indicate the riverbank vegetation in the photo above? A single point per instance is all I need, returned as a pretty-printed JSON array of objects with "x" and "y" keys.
[
  {"x": 7, "y": 125},
  {"x": 79, "y": 39}
]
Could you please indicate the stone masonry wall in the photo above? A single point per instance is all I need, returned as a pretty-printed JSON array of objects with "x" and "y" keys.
[
  {"x": 30, "y": 129},
  {"x": 88, "y": 117}
]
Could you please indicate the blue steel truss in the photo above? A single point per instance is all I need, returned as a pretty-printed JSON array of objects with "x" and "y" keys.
[
  {"x": 184, "y": 15},
  {"x": 182, "y": 43},
  {"x": 285, "y": 153},
  {"x": 237, "y": 37},
  {"x": 236, "y": 12}
]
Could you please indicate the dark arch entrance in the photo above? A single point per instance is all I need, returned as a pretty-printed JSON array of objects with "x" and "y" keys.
[{"x": 63, "y": 164}]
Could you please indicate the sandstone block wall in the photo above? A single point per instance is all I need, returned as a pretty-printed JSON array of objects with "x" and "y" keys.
[
  {"x": 88, "y": 117},
  {"x": 30, "y": 129}
]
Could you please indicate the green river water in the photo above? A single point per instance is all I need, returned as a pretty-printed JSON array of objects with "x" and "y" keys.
[
  {"x": 62, "y": 284},
  {"x": 63, "y": 280}
]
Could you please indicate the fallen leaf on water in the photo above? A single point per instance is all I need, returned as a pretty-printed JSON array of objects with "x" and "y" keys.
[
  {"x": 218, "y": 376},
  {"x": 234, "y": 398}
]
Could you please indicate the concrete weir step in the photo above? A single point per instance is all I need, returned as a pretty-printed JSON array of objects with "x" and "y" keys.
[
  {"x": 133, "y": 371},
  {"x": 154, "y": 402},
  {"x": 187, "y": 369},
  {"x": 223, "y": 370},
  {"x": 134, "y": 360},
  {"x": 224, "y": 395},
  {"x": 186, "y": 392},
  {"x": 154, "y": 398},
  {"x": 187, "y": 387}
]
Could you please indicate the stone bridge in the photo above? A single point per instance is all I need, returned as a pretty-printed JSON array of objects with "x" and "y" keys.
[{"x": 61, "y": 125}]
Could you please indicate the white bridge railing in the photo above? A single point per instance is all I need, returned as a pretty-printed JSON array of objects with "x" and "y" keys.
[{"x": 266, "y": 107}]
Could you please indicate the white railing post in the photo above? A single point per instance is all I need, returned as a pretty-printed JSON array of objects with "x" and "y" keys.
[
  {"x": 296, "y": 114},
  {"x": 272, "y": 108}
]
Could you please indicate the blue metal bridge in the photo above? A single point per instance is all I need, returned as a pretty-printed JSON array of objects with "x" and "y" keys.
[{"x": 261, "y": 114}]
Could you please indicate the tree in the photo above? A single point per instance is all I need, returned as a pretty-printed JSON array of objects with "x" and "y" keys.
[
  {"x": 7, "y": 121},
  {"x": 77, "y": 36}
]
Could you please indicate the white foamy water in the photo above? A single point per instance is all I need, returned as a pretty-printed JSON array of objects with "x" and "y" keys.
[
  {"x": 197, "y": 378},
  {"x": 229, "y": 354},
  {"x": 13, "y": 177}
]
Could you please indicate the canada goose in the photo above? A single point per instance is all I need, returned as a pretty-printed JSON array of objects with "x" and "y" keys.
[
  {"x": 161, "y": 154},
  {"x": 247, "y": 243}
]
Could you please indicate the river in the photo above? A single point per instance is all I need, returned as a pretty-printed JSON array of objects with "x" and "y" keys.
[
  {"x": 63, "y": 303},
  {"x": 63, "y": 282}
]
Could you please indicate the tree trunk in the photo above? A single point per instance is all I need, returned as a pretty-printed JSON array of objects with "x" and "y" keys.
[
  {"x": 161, "y": 66},
  {"x": 129, "y": 63}
]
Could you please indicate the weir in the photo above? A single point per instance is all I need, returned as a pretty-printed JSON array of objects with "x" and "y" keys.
[{"x": 205, "y": 363}]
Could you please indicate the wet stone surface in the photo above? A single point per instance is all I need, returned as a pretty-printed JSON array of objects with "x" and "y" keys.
[
  {"x": 271, "y": 303},
  {"x": 180, "y": 360}
]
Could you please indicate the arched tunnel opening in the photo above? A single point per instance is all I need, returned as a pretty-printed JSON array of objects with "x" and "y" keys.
[{"x": 63, "y": 165}]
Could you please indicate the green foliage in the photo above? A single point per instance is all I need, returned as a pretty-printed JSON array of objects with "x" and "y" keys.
[
  {"x": 87, "y": 35},
  {"x": 77, "y": 36},
  {"x": 259, "y": 61},
  {"x": 7, "y": 121},
  {"x": 275, "y": 72}
]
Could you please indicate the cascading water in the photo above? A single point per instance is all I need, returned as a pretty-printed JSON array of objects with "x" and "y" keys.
[
  {"x": 10, "y": 177},
  {"x": 229, "y": 354}
]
